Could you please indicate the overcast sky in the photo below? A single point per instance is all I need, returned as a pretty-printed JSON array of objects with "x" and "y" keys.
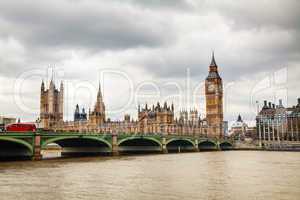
[{"x": 145, "y": 51}]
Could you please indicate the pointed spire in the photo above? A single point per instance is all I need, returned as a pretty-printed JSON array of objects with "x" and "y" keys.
[
  {"x": 61, "y": 85},
  {"x": 77, "y": 108},
  {"x": 43, "y": 85},
  {"x": 99, "y": 95},
  {"x": 213, "y": 61},
  {"x": 52, "y": 75},
  {"x": 239, "y": 118},
  {"x": 165, "y": 105},
  {"x": 51, "y": 86}
]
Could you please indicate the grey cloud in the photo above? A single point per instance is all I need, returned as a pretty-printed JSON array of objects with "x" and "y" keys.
[
  {"x": 82, "y": 25},
  {"x": 261, "y": 14},
  {"x": 165, "y": 4},
  {"x": 163, "y": 38}
]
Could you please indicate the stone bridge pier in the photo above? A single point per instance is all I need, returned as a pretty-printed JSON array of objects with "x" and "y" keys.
[
  {"x": 164, "y": 145},
  {"x": 115, "y": 146},
  {"x": 37, "y": 155}
]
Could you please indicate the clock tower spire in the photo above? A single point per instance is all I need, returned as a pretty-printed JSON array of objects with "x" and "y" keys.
[{"x": 214, "y": 100}]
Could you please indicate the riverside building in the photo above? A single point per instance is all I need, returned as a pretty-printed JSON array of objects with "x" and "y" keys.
[{"x": 277, "y": 123}]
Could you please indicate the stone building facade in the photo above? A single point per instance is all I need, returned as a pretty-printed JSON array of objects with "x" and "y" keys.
[
  {"x": 277, "y": 123},
  {"x": 155, "y": 119},
  {"x": 159, "y": 120},
  {"x": 96, "y": 118},
  {"x": 214, "y": 100},
  {"x": 51, "y": 105}
]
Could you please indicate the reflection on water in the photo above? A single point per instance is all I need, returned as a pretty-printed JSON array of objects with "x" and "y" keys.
[{"x": 206, "y": 175}]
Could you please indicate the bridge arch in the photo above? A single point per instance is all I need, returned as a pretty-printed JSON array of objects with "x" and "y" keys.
[
  {"x": 180, "y": 144},
  {"x": 139, "y": 144},
  {"x": 80, "y": 144},
  {"x": 140, "y": 138},
  {"x": 207, "y": 145},
  {"x": 226, "y": 145},
  {"x": 13, "y": 147}
]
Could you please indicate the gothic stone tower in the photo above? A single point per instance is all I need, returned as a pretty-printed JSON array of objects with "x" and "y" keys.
[
  {"x": 97, "y": 116},
  {"x": 214, "y": 100},
  {"x": 51, "y": 105}
]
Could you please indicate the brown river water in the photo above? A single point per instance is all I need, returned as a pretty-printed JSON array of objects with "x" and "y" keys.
[{"x": 240, "y": 175}]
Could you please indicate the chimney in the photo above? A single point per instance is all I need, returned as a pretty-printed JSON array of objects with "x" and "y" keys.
[
  {"x": 270, "y": 105},
  {"x": 273, "y": 106},
  {"x": 265, "y": 103},
  {"x": 298, "y": 101}
]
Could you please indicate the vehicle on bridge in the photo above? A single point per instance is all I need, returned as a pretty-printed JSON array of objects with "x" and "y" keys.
[{"x": 21, "y": 127}]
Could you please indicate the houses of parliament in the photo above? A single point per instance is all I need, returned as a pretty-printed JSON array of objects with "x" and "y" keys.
[{"x": 155, "y": 119}]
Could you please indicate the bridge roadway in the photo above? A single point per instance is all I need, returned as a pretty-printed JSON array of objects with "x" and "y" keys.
[{"x": 30, "y": 145}]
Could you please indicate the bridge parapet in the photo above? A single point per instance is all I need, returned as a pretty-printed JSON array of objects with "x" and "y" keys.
[{"x": 35, "y": 142}]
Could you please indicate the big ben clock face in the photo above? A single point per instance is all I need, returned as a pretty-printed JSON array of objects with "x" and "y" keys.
[{"x": 211, "y": 88}]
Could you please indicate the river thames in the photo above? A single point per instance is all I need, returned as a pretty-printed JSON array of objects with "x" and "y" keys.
[{"x": 205, "y": 175}]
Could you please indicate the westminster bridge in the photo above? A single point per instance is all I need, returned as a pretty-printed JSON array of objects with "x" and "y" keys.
[{"x": 30, "y": 145}]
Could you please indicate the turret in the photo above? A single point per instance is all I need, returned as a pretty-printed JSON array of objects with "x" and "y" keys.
[
  {"x": 61, "y": 88},
  {"x": 77, "y": 113},
  {"x": 127, "y": 118},
  {"x": 51, "y": 86},
  {"x": 83, "y": 114},
  {"x": 43, "y": 86},
  {"x": 158, "y": 106},
  {"x": 265, "y": 105},
  {"x": 239, "y": 118},
  {"x": 77, "y": 109},
  {"x": 165, "y": 106},
  {"x": 280, "y": 104}
]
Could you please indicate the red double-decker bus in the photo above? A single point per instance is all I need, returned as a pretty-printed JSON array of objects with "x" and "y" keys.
[{"x": 21, "y": 127}]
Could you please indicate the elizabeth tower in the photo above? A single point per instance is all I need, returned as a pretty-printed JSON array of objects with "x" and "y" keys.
[{"x": 214, "y": 100}]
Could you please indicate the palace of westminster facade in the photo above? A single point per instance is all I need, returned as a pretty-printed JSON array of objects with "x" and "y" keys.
[{"x": 156, "y": 119}]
